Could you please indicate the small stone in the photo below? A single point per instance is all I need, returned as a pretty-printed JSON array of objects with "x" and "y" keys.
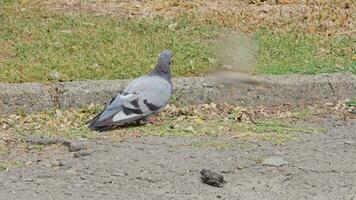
[
  {"x": 107, "y": 182},
  {"x": 90, "y": 172},
  {"x": 77, "y": 185},
  {"x": 275, "y": 161},
  {"x": 81, "y": 154},
  {"x": 28, "y": 180},
  {"x": 212, "y": 178},
  {"x": 349, "y": 142},
  {"x": 76, "y": 146},
  {"x": 119, "y": 174}
]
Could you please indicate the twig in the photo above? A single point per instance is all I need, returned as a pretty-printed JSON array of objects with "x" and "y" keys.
[{"x": 248, "y": 115}]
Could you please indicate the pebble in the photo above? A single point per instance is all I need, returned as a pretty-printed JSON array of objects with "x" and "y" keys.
[
  {"x": 349, "y": 142},
  {"x": 81, "y": 154},
  {"x": 76, "y": 146},
  {"x": 212, "y": 178},
  {"x": 119, "y": 174},
  {"x": 275, "y": 161}
]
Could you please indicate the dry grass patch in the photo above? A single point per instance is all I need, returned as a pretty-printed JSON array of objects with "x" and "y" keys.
[
  {"x": 274, "y": 124},
  {"x": 319, "y": 16}
]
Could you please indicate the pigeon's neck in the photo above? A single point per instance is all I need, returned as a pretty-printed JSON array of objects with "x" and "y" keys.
[
  {"x": 166, "y": 76},
  {"x": 163, "y": 70}
]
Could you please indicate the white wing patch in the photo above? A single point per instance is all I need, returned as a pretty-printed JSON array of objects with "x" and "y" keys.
[{"x": 121, "y": 116}]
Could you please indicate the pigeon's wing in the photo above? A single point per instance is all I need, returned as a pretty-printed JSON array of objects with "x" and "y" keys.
[
  {"x": 142, "y": 97},
  {"x": 146, "y": 96}
]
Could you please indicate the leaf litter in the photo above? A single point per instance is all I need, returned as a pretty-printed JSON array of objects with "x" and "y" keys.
[{"x": 276, "y": 124}]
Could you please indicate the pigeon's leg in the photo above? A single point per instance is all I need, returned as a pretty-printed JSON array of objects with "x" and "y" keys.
[
  {"x": 154, "y": 120},
  {"x": 147, "y": 119}
]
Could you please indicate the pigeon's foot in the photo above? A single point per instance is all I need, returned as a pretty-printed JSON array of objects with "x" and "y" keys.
[{"x": 155, "y": 120}]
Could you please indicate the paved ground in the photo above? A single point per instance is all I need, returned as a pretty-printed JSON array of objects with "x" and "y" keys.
[{"x": 320, "y": 166}]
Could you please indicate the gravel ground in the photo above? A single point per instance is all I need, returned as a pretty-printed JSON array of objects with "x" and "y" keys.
[{"x": 318, "y": 166}]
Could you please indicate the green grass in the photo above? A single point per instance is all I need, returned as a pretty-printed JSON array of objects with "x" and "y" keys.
[
  {"x": 5, "y": 165},
  {"x": 88, "y": 47},
  {"x": 42, "y": 46},
  {"x": 351, "y": 103},
  {"x": 284, "y": 53}
]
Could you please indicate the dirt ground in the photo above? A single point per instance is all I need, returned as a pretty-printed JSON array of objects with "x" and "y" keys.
[{"x": 315, "y": 166}]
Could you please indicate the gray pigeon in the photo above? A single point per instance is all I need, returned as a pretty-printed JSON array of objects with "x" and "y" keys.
[{"x": 143, "y": 97}]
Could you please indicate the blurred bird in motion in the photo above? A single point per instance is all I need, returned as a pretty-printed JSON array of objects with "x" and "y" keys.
[
  {"x": 236, "y": 56},
  {"x": 237, "y": 79}
]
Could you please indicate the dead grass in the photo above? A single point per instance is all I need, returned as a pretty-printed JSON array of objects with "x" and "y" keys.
[
  {"x": 6, "y": 50},
  {"x": 274, "y": 124},
  {"x": 324, "y": 17}
]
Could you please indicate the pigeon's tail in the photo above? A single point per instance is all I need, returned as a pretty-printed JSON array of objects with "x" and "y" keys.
[
  {"x": 100, "y": 128},
  {"x": 108, "y": 119},
  {"x": 96, "y": 125}
]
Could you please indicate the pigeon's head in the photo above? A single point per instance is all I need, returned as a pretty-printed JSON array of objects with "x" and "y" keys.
[{"x": 163, "y": 64}]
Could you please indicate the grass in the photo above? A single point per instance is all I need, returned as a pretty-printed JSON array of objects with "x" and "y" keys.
[
  {"x": 5, "y": 165},
  {"x": 351, "y": 103},
  {"x": 40, "y": 45},
  {"x": 83, "y": 47},
  {"x": 204, "y": 120},
  {"x": 284, "y": 53}
]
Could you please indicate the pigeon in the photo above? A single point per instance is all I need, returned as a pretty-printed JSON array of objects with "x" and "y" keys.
[{"x": 142, "y": 98}]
